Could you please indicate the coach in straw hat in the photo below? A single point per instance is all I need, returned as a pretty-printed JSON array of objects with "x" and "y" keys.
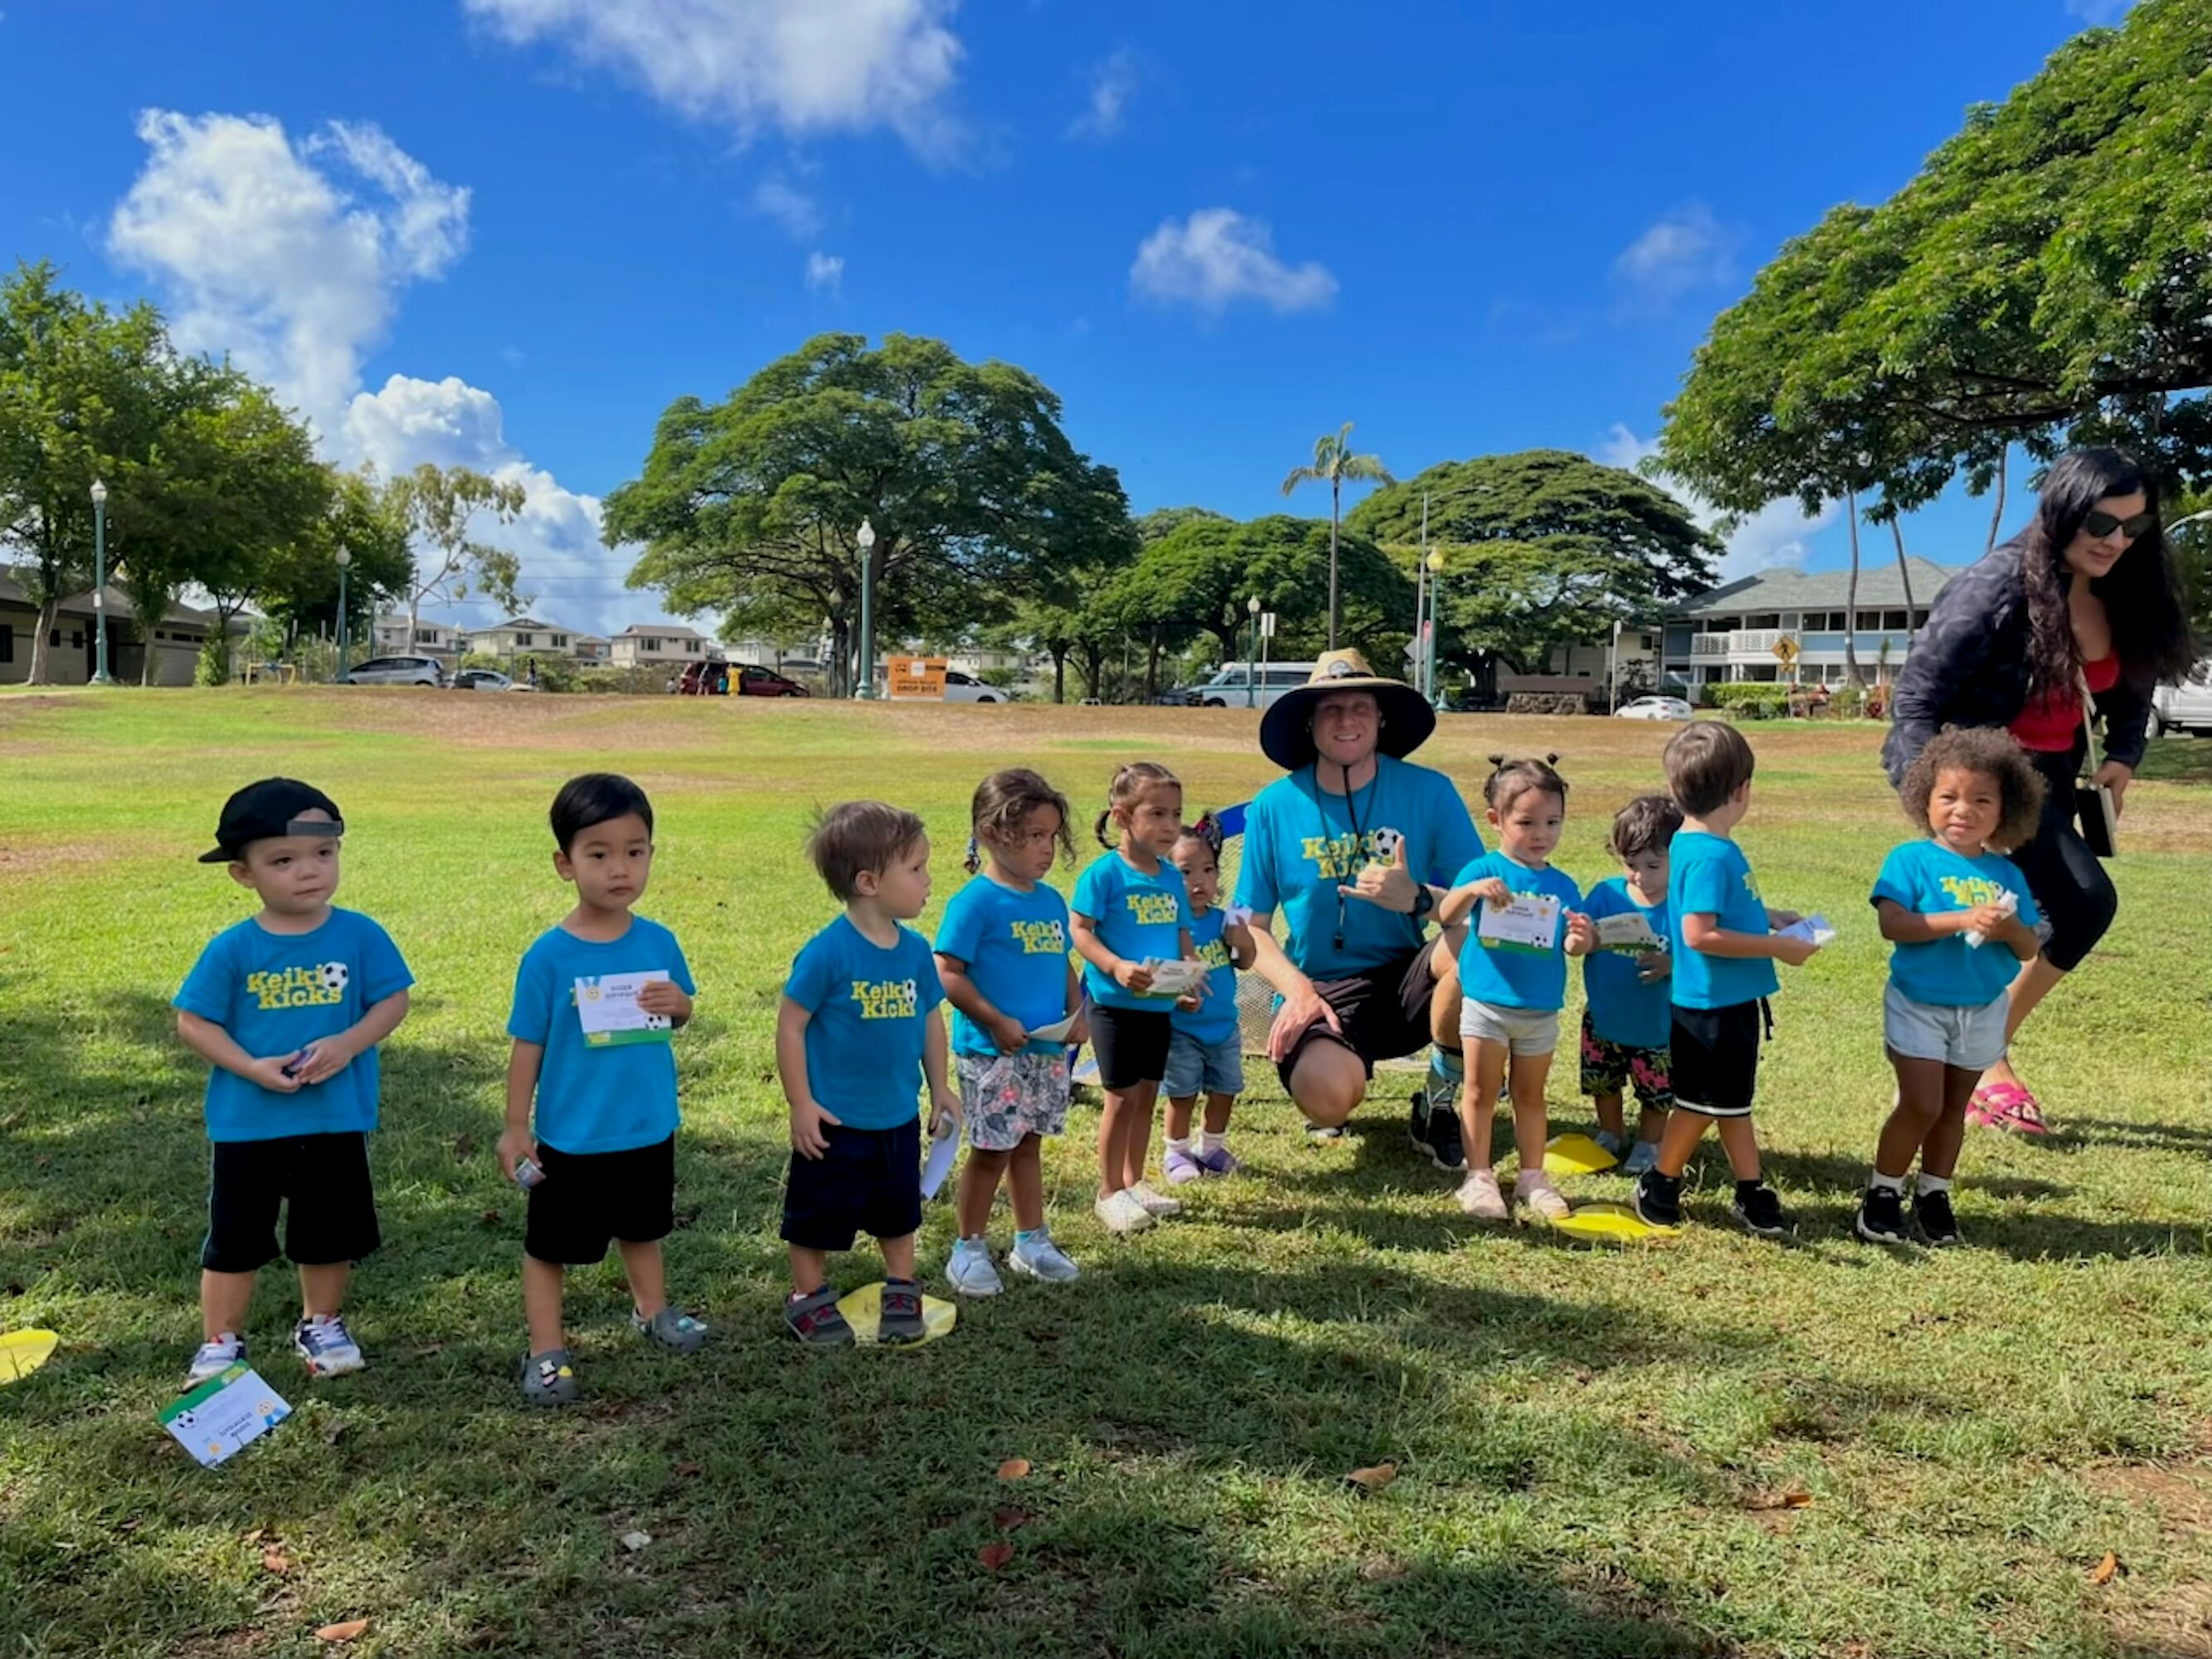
[{"x": 1355, "y": 847}]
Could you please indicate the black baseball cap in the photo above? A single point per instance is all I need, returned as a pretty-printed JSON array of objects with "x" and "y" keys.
[{"x": 266, "y": 810}]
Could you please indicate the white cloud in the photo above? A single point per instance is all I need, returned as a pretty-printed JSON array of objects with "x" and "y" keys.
[
  {"x": 1775, "y": 535},
  {"x": 1217, "y": 257},
  {"x": 1113, "y": 84},
  {"x": 825, "y": 272},
  {"x": 1687, "y": 248},
  {"x": 801, "y": 66},
  {"x": 291, "y": 256},
  {"x": 793, "y": 208}
]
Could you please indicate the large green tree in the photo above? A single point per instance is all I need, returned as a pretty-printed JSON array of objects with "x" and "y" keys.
[
  {"x": 1541, "y": 549},
  {"x": 2046, "y": 279},
  {"x": 1334, "y": 464},
  {"x": 440, "y": 506},
  {"x": 976, "y": 496}
]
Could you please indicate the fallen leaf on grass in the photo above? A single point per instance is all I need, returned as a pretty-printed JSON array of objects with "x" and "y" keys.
[
  {"x": 1372, "y": 1479},
  {"x": 634, "y": 1541},
  {"x": 1013, "y": 1469},
  {"x": 336, "y": 1432},
  {"x": 1796, "y": 1499},
  {"x": 1791, "y": 1498},
  {"x": 342, "y": 1632},
  {"x": 254, "y": 1537},
  {"x": 491, "y": 1218},
  {"x": 1007, "y": 1520},
  {"x": 273, "y": 1559},
  {"x": 994, "y": 1556},
  {"x": 2105, "y": 1570}
]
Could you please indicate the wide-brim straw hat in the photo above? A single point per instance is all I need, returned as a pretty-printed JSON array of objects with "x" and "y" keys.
[{"x": 1286, "y": 729}]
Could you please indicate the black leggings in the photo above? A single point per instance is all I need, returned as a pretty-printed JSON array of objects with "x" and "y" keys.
[{"x": 2071, "y": 887}]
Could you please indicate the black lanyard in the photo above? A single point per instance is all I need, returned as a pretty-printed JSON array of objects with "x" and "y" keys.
[{"x": 1359, "y": 835}]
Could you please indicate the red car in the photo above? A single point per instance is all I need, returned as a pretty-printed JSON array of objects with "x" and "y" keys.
[{"x": 754, "y": 681}]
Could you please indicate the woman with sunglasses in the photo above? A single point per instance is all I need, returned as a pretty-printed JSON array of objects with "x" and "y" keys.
[{"x": 2084, "y": 596}]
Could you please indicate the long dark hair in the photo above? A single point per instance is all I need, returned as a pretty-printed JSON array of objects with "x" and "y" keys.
[{"x": 2142, "y": 594}]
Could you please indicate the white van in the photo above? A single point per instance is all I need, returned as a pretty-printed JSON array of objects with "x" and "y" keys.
[
  {"x": 1264, "y": 683},
  {"x": 2184, "y": 707}
]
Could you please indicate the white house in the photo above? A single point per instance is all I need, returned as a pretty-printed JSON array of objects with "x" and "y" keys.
[
  {"x": 667, "y": 644},
  {"x": 435, "y": 639},
  {"x": 527, "y": 636},
  {"x": 1729, "y": 633}
]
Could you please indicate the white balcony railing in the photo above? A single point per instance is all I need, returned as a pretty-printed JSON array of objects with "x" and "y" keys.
[{"x": 1744, "y": 643}]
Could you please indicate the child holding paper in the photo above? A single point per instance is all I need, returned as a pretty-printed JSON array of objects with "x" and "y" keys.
[
  {"x": 1963, "y": 920},
  {"x": 1131, "y": 911},
  {"x": 1002, "y": 956},
  {"x": 1513, "y": 972},
  {"x": 1628, "y": 1008},
  {"x": 857, "y": 1033},
  {"x": 1205, "y": 1052},
  {"x": 287, "y": 1007},
  {"x": 597, "y": 999},
  {"x": 1725, "y": 947}
]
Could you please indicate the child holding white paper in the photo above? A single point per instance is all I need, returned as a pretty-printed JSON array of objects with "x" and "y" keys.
[
  {"x": 1002, "y": 955},
  {"x": 1130, "y": 910},
  {"x": 597, "y": 999},
  {"x": 1627, "y": 1013},
  {"x": 1205, "y": 1052},
  {"x": 1963, "y": 920},
  {"x": 1513, "y": 975}
]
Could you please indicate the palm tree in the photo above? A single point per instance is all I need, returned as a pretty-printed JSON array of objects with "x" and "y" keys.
[{"x": 1332, "y": 463}]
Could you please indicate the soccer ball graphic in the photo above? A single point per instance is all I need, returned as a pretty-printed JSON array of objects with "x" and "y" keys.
[{"x": 334, "y": 976}]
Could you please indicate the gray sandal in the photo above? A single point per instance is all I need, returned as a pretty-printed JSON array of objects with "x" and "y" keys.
[
  {"x": 549, "y": 1379},
  {"x": 901, "y": 1322},
  {"x": 678, "y": 1333}
]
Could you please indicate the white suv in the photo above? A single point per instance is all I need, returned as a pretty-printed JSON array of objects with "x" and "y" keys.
[
  {"x": 2186, "y": 706},
  {"x": 398, "y": 670}
]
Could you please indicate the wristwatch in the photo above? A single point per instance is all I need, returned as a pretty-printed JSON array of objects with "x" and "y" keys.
[{"x": 1424, "y": 900}]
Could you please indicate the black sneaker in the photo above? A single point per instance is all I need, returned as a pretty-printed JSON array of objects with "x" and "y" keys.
[
  {"x": 901, "y": 1322},
  {"x": 1761, "y": 1212},
  {"x": 815, "y": 1320},
  {"x": 1881, "y": 1216},
  {"x": 1931, "y": 1212},
  {"x": 1434, "y": 1131},
  {"x": 1657, "y": 1200}
]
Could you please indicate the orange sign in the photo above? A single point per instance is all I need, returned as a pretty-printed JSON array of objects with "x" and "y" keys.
[{"x": 915, "y": 679}]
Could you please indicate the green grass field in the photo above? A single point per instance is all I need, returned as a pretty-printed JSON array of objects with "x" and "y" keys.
[{"x": 1711, "y": 1446}]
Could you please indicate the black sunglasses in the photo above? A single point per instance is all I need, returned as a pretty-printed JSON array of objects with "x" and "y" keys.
[{"x": 2101, "y": 524}]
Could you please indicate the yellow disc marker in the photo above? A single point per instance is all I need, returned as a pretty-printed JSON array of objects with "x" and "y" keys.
[
  {"x": 1576, "y": 1155},
  {"x": 864, "y": 1311},
  {"x": 22, "y": 1352},
  {"x": 1611, "y": 1223}
]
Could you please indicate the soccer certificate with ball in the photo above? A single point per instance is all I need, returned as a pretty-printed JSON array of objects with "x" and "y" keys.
[{"x": 607, "y": 1004}]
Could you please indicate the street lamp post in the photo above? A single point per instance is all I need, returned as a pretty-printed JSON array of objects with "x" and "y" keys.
[
  {"x": 1436, "y": 611},
  {"x": 866, "y": 538},
  {"x": 100, "y": 675},
  {"x": 1251, "y": 672},
  {"x": 344, "y": 558}
]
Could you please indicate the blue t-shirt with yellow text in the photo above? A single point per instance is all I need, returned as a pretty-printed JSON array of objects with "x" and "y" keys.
[
  {"x": 1623, "y": 1007},
  {"x": 1928, "y": 878},
  {"x": 610, "y": 1098},
  {"x": 1139, "y": 915},
  {"x": 869, "y": 1010},
  {"x": 1711, "y": 876},
  {"x": 1215, "y": 1018},
  {"x": 1014, "y": 947},
  {"x": 1512, "y": 978}
]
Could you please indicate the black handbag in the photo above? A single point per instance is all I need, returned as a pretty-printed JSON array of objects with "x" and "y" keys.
[{"x": 2093, "y": 801}]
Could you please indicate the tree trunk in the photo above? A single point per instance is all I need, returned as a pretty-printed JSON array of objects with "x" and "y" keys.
[
  {"x": 1997, "y": 517},
  {"x": 1152, "y": 667},
  {"x": 1851, "y": 675},
  {"x": 1060, "y": 677},
  {"x": 1335, "y": 506},
  {"x": 1903, "y": 569},
  {"x": 42, "y": 661}
]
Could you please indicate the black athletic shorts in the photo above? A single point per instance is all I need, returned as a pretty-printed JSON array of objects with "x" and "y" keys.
[
  {"x": 1131, "y": 1045},
  {"x": 320, "y": 1182},
  {"x": 868, "y": 1181},
  {"x": 1715, "y": 1059},
  {"x": 588, "y": 1199},
  {"x": 1384, "y": 1013}
]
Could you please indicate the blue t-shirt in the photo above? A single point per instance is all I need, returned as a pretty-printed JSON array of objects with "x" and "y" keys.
[
  {"x": 596, "y": 1098},
  {"x": 1535, "y": 979},
  {"x": 870, "y": 1010},
  {"x": 1139, "y": 915},
  {"x": 1711, "y": 876},
  {"x": 275, "y": 994},
  {"x": 1014, "y": 947},
  {"x": 1300, "y": 842},
  {"x": 1928, "y": 878},
  {"x": 1624, "y": 1009},
  {"x": 1216, "y": 1018}
]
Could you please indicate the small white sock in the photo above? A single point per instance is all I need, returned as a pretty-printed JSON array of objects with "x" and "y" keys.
[
  {"x": 1878, "y": 1181},
  {"x": 1930, "y": 1183},
  {"x": 1175, "y": 1146},
  {"x": 1210, "y": 1142}
]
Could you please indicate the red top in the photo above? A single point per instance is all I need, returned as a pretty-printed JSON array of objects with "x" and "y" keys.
[{"x": 2050, "y": 722}]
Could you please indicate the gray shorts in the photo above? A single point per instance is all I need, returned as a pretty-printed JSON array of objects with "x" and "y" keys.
[
  {"x": 1525, "y": 1031},
  {"x": 1972, "y": 1039},
  {"x": 1008, "y": 1098},
  {"x": 1209, "y": 1068}
]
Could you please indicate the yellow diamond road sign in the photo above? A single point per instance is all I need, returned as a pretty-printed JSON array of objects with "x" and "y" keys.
[{"x": 1786, "y": 648}]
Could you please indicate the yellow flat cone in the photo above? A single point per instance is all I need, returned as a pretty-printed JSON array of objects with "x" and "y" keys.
[
  {"x": 22, "y": 1352},
  {"x": 1576, "y": 1155},
  {"x": 1611, "y": 1224},
  {"x": 864, "y": 1311}
]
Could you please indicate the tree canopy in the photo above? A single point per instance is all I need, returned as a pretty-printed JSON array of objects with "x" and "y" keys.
[{"x": 2046, "y": 279}]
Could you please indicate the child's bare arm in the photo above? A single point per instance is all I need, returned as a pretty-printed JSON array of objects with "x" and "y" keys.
[
  {"x": 524, "y": 1064},
  {"x": 1129, "y": 976},
  {"x": 328, "y": 1056},
  {"x": 215, "y": 1045},
  {"x": 1006, "y": 1033},
  {"x": 807, "y": 1116},
  {"x": 1702, "y": 931},
  {"x": 936, "y": 1070}
]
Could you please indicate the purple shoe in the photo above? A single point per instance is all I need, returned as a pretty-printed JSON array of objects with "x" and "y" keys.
[
  {"x": 1181, "y": 1167},
  {"x": 1219, "y": 1161}
]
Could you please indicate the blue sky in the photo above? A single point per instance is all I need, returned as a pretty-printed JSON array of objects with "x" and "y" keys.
[{"x": 508, "y": 231}]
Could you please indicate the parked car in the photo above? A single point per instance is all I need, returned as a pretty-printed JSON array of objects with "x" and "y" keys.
[
  {"x": 966, "y": 687},
  {"x": 398, "y": 670},
  {"x": 1656, "y": 708},
  {"x": 1232, "y": 682},
  {"x": 486, "y": 679},
  {"x": 2184, "y": 707},
  {"x": 704, "y": 679},
  {"x": 754, "y": 681}
]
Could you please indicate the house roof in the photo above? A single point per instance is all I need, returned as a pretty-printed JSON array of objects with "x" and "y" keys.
[
  {"x": 664, "y": 631},
  {"x": 118, "y": 604},
  {"x": 1789, "y": 589},
  {"x": 518, "y": 623}
]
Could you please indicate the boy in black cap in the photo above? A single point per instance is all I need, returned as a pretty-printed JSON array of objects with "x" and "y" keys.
[{"x": 288, "y": 1007}]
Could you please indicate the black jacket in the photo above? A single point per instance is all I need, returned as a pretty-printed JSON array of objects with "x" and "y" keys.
[{"x": 1968, "y": 667}]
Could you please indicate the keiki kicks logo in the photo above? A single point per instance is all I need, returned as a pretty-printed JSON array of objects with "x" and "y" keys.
[
  {"x": 887, "y": 999},
  {"x": 1339, "y": 858},
  {"x": 1153, "y": 909},
  {"x": 300, "y": 987},
  {"x": 1040, "y": 939}
]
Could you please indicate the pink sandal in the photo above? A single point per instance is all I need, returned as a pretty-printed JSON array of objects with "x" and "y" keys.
[{"x": 2008, "y": 1106}]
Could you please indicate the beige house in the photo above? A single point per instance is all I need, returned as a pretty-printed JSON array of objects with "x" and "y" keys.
[
  {"x": 435, "y": 639},
  {"x": 527, "y": 636},
  {"x": 590, "y": 649},
  {"x": 670, "y": 645},
  {"x": 72, "y": 649}
]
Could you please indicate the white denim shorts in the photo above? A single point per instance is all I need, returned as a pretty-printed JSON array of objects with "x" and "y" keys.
[
  {"x": 1525, "y": 1031},
  {"x": 1972, "y": 1039}
]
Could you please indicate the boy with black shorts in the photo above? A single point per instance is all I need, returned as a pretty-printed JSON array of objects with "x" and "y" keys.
[
  {"x": 597, "y": 1000},
  {"x": 1724, "y": 949},
  {"x": 857, "y": 1030},
  {"x": 287, "y": 1007}
]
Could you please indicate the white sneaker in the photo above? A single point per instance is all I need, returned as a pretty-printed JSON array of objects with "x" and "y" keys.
[
  {"x": 327, "y": 1346},
  {"x": 1155, "y": 1203},
  {"x": 1478, "y": 1196},
  {"x": 1119, "y": 1213},
  {"x": 1041, "y": 1258},
  {"x": 216, "y": 1358},
  {"x": 1537, "y": 1191},
  {"x": 970, "y": 1273}
]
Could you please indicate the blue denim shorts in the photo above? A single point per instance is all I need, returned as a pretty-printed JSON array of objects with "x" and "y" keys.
[{"x": 1208, "y": 1068}]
